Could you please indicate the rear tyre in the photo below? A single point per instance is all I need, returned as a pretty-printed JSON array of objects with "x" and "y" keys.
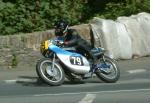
[
  {"x": 52, "y": 76},
  {"x": 114, "y": 74}
]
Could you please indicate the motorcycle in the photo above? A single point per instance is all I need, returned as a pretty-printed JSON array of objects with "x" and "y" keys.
[{"x": 62, "y": 62}]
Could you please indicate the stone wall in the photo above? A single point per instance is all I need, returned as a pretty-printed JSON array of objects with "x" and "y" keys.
[
  {"x": 22, "y": 50},
  {"x": 125, "y": 38}
]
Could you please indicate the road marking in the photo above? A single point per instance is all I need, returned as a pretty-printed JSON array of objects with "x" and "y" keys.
[
  {"x": 136, "y": 71},
  {"x": 88, "y": 98},
  {"x": 10, "y": 81},
  {"x": 98, "y": 92},
  {"x": 20, "y": 80}
]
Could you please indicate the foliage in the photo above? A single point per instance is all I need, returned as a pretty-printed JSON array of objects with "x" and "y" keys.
[
  {"x": 14, "y": 61},
  {"x": 115, "y": 8},
  {"x": 35, "y": 15}
]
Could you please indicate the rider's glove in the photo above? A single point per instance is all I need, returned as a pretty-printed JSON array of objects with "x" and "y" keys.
[{"x": 66, "y": 43}]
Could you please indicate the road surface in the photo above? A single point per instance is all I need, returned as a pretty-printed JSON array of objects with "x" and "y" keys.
[{"x": 23, "y": 86}]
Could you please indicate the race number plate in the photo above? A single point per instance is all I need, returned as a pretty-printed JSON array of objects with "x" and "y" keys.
[{"x": 76, "y": 60}]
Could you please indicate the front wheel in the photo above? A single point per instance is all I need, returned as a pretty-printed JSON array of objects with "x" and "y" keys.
[
  {"x": 52, "y": 76},
  {"x": 114, "y": 72}
]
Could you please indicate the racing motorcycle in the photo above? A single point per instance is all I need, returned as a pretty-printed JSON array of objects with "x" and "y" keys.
[{"x": 62, "y": 62}]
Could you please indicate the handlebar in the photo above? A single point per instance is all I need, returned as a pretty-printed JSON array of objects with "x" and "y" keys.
[{"x": 58, "y": 42}]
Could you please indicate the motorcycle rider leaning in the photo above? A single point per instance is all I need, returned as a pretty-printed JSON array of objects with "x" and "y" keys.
[{"x": 72, "y": 38}]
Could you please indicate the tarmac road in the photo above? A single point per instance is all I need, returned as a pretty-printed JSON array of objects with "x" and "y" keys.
[{"x": 22, "y": 86}]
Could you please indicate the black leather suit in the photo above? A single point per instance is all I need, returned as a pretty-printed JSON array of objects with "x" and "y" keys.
[{"x": 73, "y": 39}]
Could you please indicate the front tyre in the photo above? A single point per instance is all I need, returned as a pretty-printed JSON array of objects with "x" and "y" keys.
[
  {"x": 114, "y": 72},
  {"x": 52, "y": 76}
]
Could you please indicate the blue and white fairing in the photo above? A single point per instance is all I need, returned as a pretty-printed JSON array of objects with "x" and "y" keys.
[{"x": 74, "y": 61}]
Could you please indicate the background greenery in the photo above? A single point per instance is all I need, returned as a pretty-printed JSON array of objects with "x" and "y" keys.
[{"x": 24, "y": 16}]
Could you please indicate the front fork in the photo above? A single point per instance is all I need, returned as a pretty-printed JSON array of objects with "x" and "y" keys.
[
  {"x": 53, "y": 62},
  {"x": 50, "y": 69}
]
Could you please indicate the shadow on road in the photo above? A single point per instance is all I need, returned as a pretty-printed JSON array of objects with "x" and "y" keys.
[{"x": 35, "y": 81}]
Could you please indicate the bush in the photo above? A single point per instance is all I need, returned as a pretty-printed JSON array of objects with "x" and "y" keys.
[
  {"x": 14, "y": 61},
  {"x": 34, "y": 15},
  {"x": 37, "y": 15}
]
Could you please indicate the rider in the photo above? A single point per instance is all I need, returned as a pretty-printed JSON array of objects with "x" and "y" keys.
[{"x": 72, "y": 37}]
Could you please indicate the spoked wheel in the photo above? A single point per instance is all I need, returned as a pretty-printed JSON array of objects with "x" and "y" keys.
[
  {"x": 109, "y": 71},
  {"x": 52, "y": 75}
]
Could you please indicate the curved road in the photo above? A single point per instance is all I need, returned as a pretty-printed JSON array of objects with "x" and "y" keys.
[{"x": 22, "y": 86}]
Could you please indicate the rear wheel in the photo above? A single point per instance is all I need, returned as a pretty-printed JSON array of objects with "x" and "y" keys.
[
  {"x": 52, "y": 76},
  {"x": 113, "y": 73}
]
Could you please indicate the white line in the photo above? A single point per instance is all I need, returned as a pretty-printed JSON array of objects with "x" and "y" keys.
[
  {"x": 20, "y": 80},
  {"x": 10, "y": 81},
  {"x": 98, "y": 92},
  {"x": 27, "y": 80},
  {"x": 88, "y": 98},
  {"x": 136, "y": 71}
]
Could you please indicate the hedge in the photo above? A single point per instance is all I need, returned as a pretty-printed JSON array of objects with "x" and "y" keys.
[{"x": 25, "y": 16}]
